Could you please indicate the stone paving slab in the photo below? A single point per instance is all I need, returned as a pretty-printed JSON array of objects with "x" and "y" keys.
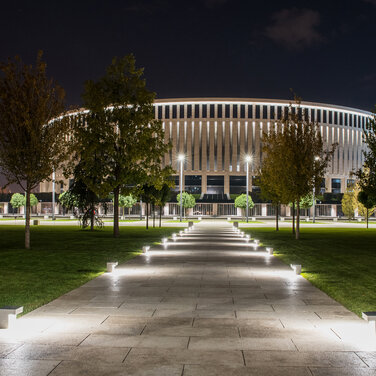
[{"x": 207, "y": 304}]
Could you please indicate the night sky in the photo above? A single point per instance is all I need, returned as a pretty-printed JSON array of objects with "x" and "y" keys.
[{"x": 324, "y": 50}]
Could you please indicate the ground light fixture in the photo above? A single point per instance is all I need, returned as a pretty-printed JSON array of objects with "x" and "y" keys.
[
  {"x": 270, "y": 251},
  {"x": 296, "y": 268},
  {"x": 8, "y": 315},
  {"x": 145, "y": 248},
  {"x": 174, "y": 236},
  {"x": 164, "y": 242},
  {"x": 185, "y": 230},
  {"x": 111, "y": 266},
  {"x": 181, "y": 232},
  {"x": 371, "y": 318},
  {"x": 247, "y": 237}
]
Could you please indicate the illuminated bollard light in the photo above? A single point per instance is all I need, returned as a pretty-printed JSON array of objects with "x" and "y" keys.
[
  {"x": 242, "y": 234},
  {"x": 270, "y": 251},
  {"x": 164, "y": 241},
  {"x": 296, "y": 268},
  {"x": 174, "y": 237},
  {"x": 200, "y": 218},
  {"x": 247, "y": 237},
  {"x": 8, "y": 315},
  {"x": 185, "y": 230},
  {"x": 145, "y": 248},
  {"x": 229, "y": 218},
  {"x": 371, "y": 318},
  {"x": 111, "y": 266},
  {"x": 257, "y": 242}
]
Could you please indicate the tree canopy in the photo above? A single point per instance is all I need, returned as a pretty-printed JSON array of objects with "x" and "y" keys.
[
  {"x": 18, "y": 200},
  {"x": 33, "y": 138},
  {"x": 298, "y": 157},
  {"x": 119, "y": 138}
]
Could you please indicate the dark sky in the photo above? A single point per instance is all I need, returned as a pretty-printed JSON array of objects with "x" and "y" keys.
[{"x": 324, "y": 50}]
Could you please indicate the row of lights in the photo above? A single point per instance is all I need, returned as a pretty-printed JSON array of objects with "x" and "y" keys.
[{"x": 295, "y": 267}]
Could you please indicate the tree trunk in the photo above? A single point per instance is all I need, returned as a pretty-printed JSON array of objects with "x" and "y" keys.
[
  {"x": 116, "y": 212},
  {"x": 153, "y": 206},
  {"x": 92, "y": 215},
  {"x": 129, "y": 213},
  {"x": 297, "y": 220},
  {"x": 293, "y": 217},
  {"x": 147, "y": 216},
  {"x": 367, "y": 217},
  {"x": 160, "y": 216},
  {"x": 27, "y": 220},
  {"x": 276, "y": 218}
]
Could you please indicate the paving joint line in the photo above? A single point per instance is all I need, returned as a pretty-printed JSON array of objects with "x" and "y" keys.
[
  {"x": 126, "y": 355},
  {"x": 57, "y": 365}
]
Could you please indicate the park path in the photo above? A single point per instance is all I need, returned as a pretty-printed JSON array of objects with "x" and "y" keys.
[{"x": 207, "y": 304}]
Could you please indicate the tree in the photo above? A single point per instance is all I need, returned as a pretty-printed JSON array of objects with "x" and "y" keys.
[
  {"x": 303, "y": 158},
  {"x": 269, "y": 174},
  {"x": 188, "y": 201},
  {"x": 18, "y": 200},
  {"x": 162, "y": 197},
  {"x": 241, "y": 202},
  {"x": 368, "y": 201},
  {"x": 127, "y": 202},
  {"x": 69, "y": 200},
  {"x": 149, "y": 197},
  {"x": 33, "y": 138},
  {"x": 118, "y": 140},
  {"x": 349, "y": 202},
  {"x": 367, "y": 174}
]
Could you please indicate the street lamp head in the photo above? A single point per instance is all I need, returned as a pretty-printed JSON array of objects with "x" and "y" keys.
[
  {"x": 248, "y": 158},
  {"x": 317, "y": 158},
  {"x": 181, "y": 157}
]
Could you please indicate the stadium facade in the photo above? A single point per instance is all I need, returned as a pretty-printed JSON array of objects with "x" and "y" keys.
[{"x": 216, "y": 134}]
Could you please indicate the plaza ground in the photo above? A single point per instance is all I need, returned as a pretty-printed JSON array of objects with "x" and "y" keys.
[{"x": 207, "y": 304}]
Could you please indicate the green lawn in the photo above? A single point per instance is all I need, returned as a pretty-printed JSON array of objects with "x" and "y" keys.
[
  {"x": 61, "y": 259},
  {"x": 341, "y": 262}
]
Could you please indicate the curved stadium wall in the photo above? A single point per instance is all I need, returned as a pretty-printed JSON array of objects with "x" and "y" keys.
[{"x": 215, "y": 134}]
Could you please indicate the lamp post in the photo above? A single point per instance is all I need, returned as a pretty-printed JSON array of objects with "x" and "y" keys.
[
  {"x": 248, "y": 159},
  {"x": 181, "y": 160},
  {"x": 314, "y": 199},
  {"x": 53, "y": 195}
]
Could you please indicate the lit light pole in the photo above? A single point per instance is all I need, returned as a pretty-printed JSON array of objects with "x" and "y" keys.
[
  {"x": 181, "y": 160},
  {"x": 53, "y": 195},
  {"x": 248, "y": 159},
  {"x": 314, "y": 199}
]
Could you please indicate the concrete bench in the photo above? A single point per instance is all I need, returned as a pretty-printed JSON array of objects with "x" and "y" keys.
[
  {"x": 8, "y": 315},
  {"x": 371, "y": 318},
  {"x": 111, "y": 266}
]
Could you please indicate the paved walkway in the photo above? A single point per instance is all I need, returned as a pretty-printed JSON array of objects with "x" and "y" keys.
[{"x": 208, "y": 304}]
